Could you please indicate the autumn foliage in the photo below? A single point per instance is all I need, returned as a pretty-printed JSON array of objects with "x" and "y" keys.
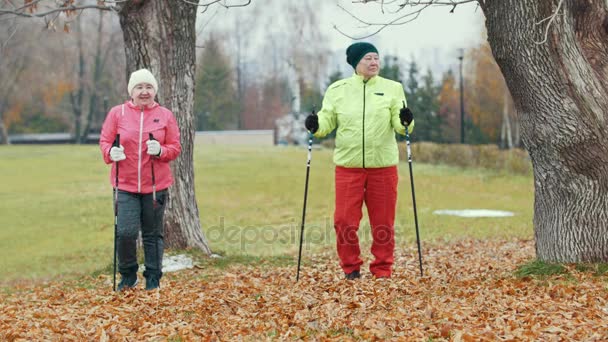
[
  {"x": 485, "y": 104},
  {"x": 469, "y": 293}
]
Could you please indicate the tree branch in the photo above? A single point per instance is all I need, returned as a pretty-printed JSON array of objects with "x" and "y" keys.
[
  {"x": 29, "y": 9},
  {"x": 382, "y": 25},
  {"x": 400, "y": 4},
  {"x": 51, "y": 11},
  {"x": 10, "y": 35},
  {"x": 550, "y": 18},
  {"x": 196, "y": 3},
  {"x": 417, "y": 3}
]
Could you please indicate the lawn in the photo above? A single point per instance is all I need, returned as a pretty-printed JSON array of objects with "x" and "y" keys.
[
  {"x": 57, "y": 218},
  {"x": 480, "y": 283}
]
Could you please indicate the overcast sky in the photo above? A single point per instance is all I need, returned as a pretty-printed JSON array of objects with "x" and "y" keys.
[{"x": 433, "y": 39}]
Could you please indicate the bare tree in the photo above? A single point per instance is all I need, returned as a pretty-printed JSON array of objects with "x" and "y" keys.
[
  {"x": 77, "y": 95},
  {"x": 554, "y": 57},
  {"x": 17, "y": 54},
  {"x": 309, "y": 55},
  {"x": 89, "y": 70},
  {"x": 159, "y": 35},
  {"x": 10, "y": 70}
]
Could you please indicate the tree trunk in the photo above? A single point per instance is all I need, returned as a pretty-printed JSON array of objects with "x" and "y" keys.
[
  {"x": 97, "y": 70},
  {"x": 560, "y": 88},
  {"x": 507, "y": 139},
  {"x": 3, "y": 132},
  {"x": 77, "y": 96},
  {"x": 160, "y": 35}
]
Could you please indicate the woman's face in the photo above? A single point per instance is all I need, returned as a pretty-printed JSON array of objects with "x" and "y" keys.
[
  {"x": 369, "y": 65},
  {"x": 143, "y": 94}
]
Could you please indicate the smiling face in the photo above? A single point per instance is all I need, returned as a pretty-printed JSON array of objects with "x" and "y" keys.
[
  {"x": 369, "y": 65},
  {"x": 143, "y": 94}
]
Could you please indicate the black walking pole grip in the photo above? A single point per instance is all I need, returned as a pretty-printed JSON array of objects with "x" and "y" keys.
[
  {"x": 117, "y": 144},
  {"x": 305, "y": 199},
  {"x": 409, "y": 160}
]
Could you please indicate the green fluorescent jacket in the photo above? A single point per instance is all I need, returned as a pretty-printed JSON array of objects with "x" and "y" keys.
[{"x": 367, "y": 117}]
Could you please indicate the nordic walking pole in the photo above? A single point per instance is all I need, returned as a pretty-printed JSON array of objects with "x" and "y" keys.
[
  {"x": 153, "y": 179},
  {"x": 305, "y": 198},
  {"x": 117, "y": 144},
  {"x": 409, "y": 161},
  {"x": 154, "y": 203}
]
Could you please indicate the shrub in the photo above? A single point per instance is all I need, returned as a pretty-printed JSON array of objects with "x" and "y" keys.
[
  {"x": 467, "y": 156},
  {"x": 470, "y": 156}
]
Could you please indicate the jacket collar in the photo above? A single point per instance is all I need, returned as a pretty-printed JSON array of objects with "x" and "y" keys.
[
  {"x": 359, "y": 79},
  {"x": 133, "y": 106}
]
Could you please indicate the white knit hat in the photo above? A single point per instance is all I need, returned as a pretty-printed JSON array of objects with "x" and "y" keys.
[{"x": 142, "y": 76}]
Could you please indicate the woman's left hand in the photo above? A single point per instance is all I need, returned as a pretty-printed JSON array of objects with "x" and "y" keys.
[{"x": 153, "y": 147}]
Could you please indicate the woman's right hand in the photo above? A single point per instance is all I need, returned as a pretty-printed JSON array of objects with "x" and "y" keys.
[{"x": 117, "y": 153}]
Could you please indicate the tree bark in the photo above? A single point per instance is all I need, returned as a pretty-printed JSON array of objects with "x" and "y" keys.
[
  {"x": 560, "y": 88},
  {"x": 160, "y": 35}
]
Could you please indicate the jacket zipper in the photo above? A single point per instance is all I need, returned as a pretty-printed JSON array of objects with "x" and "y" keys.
[
  {"x": 363, "y": 135},
  {"x": 141, "y": 129}
]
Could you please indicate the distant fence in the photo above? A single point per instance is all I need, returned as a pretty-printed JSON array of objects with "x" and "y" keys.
[
  {"x": 49, "y": 138},
  {"x": 250, "y": 137}
]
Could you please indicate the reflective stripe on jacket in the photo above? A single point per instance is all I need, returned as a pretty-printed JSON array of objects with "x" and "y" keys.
[
  {"x": 366, "y": 114},
  {"x": 134, "y": 125}
]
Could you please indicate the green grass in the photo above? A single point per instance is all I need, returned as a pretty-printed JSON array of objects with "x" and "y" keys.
[
  {"x": 540, "y": 268},
  {"x": 597, "y": 270},
  {"x": 56, "y": 213}
]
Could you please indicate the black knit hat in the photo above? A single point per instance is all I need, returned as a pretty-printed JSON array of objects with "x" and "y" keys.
[{"x": 356, "y": 51}]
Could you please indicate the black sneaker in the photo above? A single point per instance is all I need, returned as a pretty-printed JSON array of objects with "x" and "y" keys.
[
  {"x": 152, "y": 283},
  {"x": 352, "y": 275},
  {"x": 127, "y": 282}
]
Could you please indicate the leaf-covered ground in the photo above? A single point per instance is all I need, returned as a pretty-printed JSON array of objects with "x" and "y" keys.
[{"x": 468, "y": 293}]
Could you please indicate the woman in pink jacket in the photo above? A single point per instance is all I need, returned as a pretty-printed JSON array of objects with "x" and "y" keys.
[{"x": 148, "y": 140}]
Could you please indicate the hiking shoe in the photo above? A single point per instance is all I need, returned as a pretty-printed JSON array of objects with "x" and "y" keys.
[
  {"x": 152, "y": 283},
  {"x": 127, "y": 282},
  {"x": 352, "y": 275}
]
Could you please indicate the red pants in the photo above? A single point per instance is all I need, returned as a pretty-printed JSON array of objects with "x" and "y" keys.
[{"x": 378, "y": 188}]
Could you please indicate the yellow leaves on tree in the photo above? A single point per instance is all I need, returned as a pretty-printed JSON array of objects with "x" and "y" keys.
[
  {"x": 30, "y": 5},
  {"x": 53, "y": 95},
  {"x": 485, "y": 91},
  {"x": 449, "y": 107},
  {"x": 13, "y": 115}
]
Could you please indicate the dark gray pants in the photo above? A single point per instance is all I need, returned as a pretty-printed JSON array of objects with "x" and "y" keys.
[{"x": 135, "y": 212}]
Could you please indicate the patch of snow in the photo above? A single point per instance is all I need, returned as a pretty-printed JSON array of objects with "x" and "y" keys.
[
  {"x": 177, "y": 262},
  {"x": 474, "y": 213}
]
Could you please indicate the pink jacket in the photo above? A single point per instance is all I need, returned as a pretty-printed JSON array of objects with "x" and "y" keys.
[{"x": 134, "y": 126}]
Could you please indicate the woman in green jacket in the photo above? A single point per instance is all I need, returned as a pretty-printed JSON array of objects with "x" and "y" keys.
[{"x": 367, "y": 110}]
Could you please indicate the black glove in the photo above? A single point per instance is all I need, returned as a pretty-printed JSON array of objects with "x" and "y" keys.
[
  {"x": 406, "y": 116},
  {"x": 312, "y": 123}
]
